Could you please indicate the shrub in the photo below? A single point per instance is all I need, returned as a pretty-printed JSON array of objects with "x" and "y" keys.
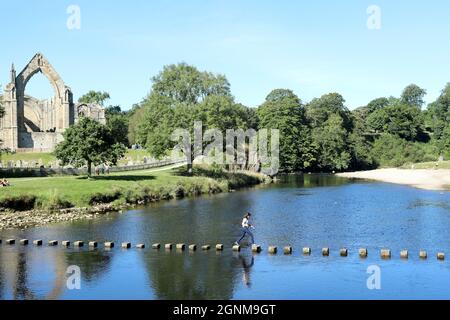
[{"x": 18, "y": 203}]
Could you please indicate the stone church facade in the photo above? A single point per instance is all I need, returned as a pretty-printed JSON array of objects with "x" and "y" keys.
[{"x": 30, "y": 124}]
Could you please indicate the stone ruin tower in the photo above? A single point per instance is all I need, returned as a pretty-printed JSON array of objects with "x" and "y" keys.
[{"x": 30, "y": 124}]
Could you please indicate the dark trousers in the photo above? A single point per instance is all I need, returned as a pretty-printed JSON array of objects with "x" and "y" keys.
[{"x": 245, "y": 232}]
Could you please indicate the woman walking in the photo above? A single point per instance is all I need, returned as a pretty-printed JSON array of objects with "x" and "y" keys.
[{"x": 246, "y": 226}]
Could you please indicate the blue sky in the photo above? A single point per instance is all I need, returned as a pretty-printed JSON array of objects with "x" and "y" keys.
[{"x": 311, "y": 47}]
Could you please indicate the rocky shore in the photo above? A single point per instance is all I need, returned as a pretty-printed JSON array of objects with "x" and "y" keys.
[{"x": 36, "y": 218}]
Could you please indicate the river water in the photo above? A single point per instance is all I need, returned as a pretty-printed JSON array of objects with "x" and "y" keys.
[{"x": 314, "y": 211}]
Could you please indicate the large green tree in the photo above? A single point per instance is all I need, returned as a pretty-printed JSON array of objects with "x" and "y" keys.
[
  {"x": 182, "y": 95},
  {"x": 88, "y": 143},
  {"x": 330, "y": 122},
  {"x": 403, "y": 120},
  {"x": 413, "y": 95},
  {"x": 284, "y": 111},
  {"x": 95, "y": 97}
]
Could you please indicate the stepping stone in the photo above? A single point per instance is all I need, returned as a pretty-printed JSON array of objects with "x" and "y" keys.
[
  {"x": 156, "y": 246},
  {"x": 126, "y": 245},
  {"x": 423, "y": 254},
  {"x": 193, "y": 247},
  {"x": 236, "y": 248},
  {"x": 140, "y": 246},
  {"x": 109, "y": 245},
  {"x": 65, "y": 243},
  {"x": 256, "y": 248},
  {"x": 219, "y": 247},
  {"x": 37, "y": 242},
  {"x": 385, "y": 253},
  {"x": 273, "y": 250},
  {"x": 53, "y": 243},
  {"x": 287, "y": 250},
  {"x": 93, "y": 244},
  {"x": 24, "y": 242},
  {"x": 78, "y": 244},
  {"x": 11, "y": 242},
  {"x": 168, "y": 246},
  {"x": 441, "y": 256},
  {"x": 343, "y": 252},
  {"x": 181, "y": 246},
  {"x": 206, "y": 247},
  {"x": 307, "y": 251},
  {"x": 326, "y": 252},
  {"x": 363, "y": 253},
  {"x": 404, "y": 254}
]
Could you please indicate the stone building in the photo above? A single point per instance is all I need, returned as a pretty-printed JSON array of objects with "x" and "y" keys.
[{"x": 31, "y": 124}]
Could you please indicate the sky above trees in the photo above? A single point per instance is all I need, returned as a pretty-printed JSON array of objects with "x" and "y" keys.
[{"x": 310, "y": 47}]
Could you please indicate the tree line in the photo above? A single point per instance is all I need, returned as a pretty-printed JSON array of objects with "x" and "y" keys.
[{"x": 321, "y": 135}]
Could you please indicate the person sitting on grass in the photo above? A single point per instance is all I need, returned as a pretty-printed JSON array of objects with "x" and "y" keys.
[
  {"x": 246, "y": 226},
  {"x": 4, "y": 183}
]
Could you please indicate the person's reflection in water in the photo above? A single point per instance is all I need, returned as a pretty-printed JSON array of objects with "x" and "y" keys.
[{"x": 247, "y": 264}]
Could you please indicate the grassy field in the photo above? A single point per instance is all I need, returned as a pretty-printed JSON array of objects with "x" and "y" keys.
[
  {"x": 47, "y": 158},
  {"x": 429, "y": 165},
  {"x": 119, "y": 188}
]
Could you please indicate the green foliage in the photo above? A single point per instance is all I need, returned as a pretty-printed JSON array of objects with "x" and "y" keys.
[
  {"x": 183, "y": 83},
  {"x": 413, "y": 96},
  {"x": 330, "y": 122},
  {"x": 392, "y": 151},
  {"x": 118, "y": 125},
  {"x": 284, "y": 111},
  {"x": 438, "y": 120},
  {"x": 89, "y": 143},
  {"x": 94, "y": 97},
  {"x": 402, "y": 120}
]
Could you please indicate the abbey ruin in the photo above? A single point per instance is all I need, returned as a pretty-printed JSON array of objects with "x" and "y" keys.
[{"x": 30, "y": 124}]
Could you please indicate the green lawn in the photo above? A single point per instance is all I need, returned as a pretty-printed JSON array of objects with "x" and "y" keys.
[
  {"x": 429, "y": 165},
  {"x": 47, "y": 158},
  {"x": 120, "y": 188}
]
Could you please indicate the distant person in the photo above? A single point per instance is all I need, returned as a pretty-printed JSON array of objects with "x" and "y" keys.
[
  {"x": 246, "y": 226},
  {"x": 4, "y": 183}
]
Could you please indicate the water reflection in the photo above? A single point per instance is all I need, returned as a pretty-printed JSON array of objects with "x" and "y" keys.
[{"x": 310, "y": 210}]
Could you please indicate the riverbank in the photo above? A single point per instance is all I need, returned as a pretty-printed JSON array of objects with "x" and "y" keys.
[
  {"x": 31, "y": 202},
  {"x": 427, "y": 179}
]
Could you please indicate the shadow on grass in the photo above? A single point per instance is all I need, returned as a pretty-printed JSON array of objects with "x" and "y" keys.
[{"x": 120, "y": 178}]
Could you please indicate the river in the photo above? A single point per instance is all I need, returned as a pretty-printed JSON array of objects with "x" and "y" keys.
[{"x": 313, "y": 210}]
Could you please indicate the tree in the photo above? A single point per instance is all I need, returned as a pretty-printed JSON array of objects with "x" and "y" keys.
[
  {"x": 284, "y": 111},
  {"x": 401, "y": 120},
  {"x": 118, "y": 125},
  {"x": 413, "y": 96},
  {"x": 331, "y": 123},
  {"x": 186, "y": 84},
  {"x": 320, "y": 109},
  {"x": 332, "y": 146},
  {"x": 89, "y": 143},
  {"x": 181, "y": 95},
  {"x": 377, "y": 104},
  {"x": 95, "y": 97}
]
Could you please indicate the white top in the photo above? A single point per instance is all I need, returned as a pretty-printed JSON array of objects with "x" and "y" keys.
[{"x": 245, "y": 223}]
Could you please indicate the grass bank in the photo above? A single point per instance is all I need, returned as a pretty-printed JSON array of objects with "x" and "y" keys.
[
  {"x": 428, "y": 165},
  {"x": 125, "y": 188}
]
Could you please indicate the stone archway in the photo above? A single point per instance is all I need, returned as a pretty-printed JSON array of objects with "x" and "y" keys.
[
  {"x": 63, "y": 103},
  {"x": 56, "y": 115}
]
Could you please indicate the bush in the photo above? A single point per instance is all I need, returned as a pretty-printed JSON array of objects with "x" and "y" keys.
[
  {"x": 54, "y": 202},
  {"x": 18, "y": 203},
  {"x": 101, "y": 198},
  {"x": 392, "y": 151}
]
